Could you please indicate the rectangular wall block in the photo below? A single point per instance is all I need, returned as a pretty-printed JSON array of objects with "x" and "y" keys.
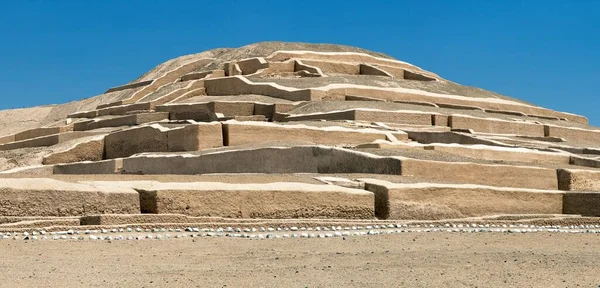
[{"x": 428, "y": 201}]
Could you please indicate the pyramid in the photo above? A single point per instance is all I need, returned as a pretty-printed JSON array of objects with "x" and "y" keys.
[{"x": 294, "y": 133}]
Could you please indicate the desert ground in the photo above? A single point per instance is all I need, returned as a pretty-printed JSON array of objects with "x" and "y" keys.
[{"x": 401, "y": 260}]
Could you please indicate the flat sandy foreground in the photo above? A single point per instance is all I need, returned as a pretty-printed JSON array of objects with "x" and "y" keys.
[{"x": 401, "y": 260}]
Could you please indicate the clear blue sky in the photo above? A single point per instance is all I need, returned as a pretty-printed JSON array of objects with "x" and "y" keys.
[{"x": 545, "y": 52}]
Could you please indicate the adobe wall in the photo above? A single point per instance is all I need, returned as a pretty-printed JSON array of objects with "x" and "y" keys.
[
  {"x": 252, "y": 65},
  {"x": 166, "y": 78},
  {"x": 365, "y": 69},
  {"x": 91, "y": 150},
  {"x": 582, "y": 203},
  {"x": 371, "y": 115},
  {"x": 43, "y": 131},
  {"x": 301, "y": 66},
  {"x": 345, "y": 57},
  {"x": 112, "y": 166},
  {"x": 495, "y": 153},
  {"x": 428, "y": 201},
  {"x": 495, "y": 126},
  {"x": 195, "y": 137},
  {"x": 393, "y": 94},
  {"x": 124, "y": 109},
  {"x": 7, "y": 139},
  {"x": 193, "y": 111},
  {"x": 428, "y": 137},
  {"x": 202, "y": 75},
  {"x": 241, "y": 133},
  {"x": 128, "y": 120},
  {"x": 286, "y": 200},
  {"x": 43, "y": 141},
  {"x": 129, "y": 86},
  {"x": 282, "y": 160},
  {"x": 128, "y": 142},
  {"x": 578, "y": 180},
  {"x": 578, "y": 135},
  {"x": 410, "y": 75},
  {"x": 192, "y": 85},
  {"x": 482, "y": 174},
  {"x": 240, "y": 85},
  {"x": 46, "y": 197},
  {"x": 331, "y": 67}
]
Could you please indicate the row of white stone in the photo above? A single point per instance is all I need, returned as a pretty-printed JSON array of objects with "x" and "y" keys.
[{"x": 303, "y": 232}]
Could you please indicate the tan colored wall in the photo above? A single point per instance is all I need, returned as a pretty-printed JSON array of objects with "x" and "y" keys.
[
  {"x": 439, "y": 99},
  {"x": 92, "y": 150},
  {"x": 84, "y": 114},
  {"x": 427, "y": 201},
  {"x": 578, "y": 180},
  {"x": 128, "y": 120},
  {"x": 439, "y": 119},
  {"x": 252, "y": 65},
  {"x": 129, "y": 86},
  {"x": 301, "y": 66},
  {"x": 582, "y": 203},
  {"x": 482, "y": 174},
  {"x": 495, "y": 126},
  {"x": 398, "y": 73},
  {"x": 191, "y": 85},
  {"x": 46, "y": 197},
  {"x": 164, "y": 79},
  {"x": 43, "y": 131},
  {"x": 428, "y": 137},
  {"x": 404, "y": 117},
  {"x": 578, "y": 135},
  {"x": 503, "y": 154},
  {"x": 282, "y": 160},
  {"x": 239, "y": 85},
  {"x": 124, "y": 109},
  {"x": 331, "y": 67},
  {"x": 286, "y": 200},
  {"x": 112, "y": 166},
  {"x": 410, "y": 75},
  {"x": 345, "y": 57},
  {"x": 202, "y": 75},
  {"x": 136, "y": 140},
  {"x": 240, "y": 133},
  {"x": 195, "y": 137},
  {"x": 7, "y": 139},
  {"x": 366, "y": 69}
]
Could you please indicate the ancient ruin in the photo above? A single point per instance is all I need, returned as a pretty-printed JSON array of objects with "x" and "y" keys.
[{"x": 294, "y": 133}]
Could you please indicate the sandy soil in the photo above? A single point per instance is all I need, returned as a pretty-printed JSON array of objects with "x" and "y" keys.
[{"x": 404, "y": 260}]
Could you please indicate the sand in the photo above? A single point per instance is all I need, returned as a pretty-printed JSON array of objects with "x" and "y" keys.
[{"x": 401, "y": 260}]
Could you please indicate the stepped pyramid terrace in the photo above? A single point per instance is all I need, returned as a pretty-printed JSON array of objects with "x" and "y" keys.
[{"x": 290, "y": 134}]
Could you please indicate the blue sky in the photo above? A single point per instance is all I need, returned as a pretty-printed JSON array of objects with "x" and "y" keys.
[{"x": 545, "y": 52}]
